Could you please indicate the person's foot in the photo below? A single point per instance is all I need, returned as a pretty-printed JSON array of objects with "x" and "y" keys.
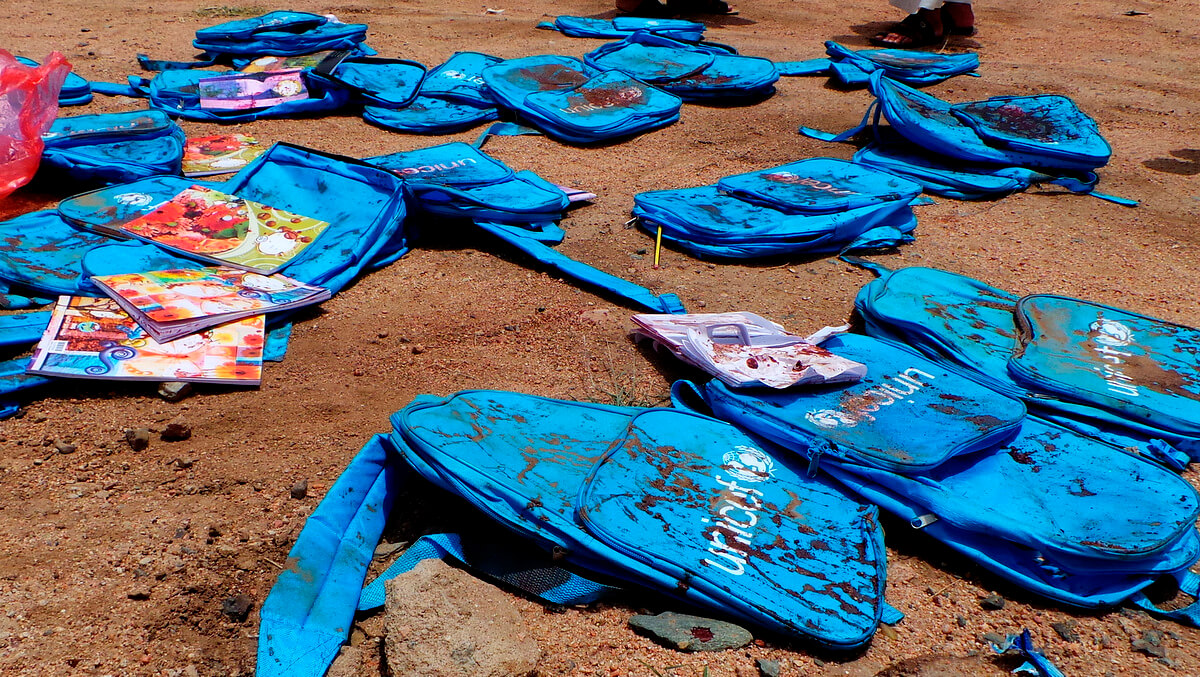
[
  {"x": 958, "y": 18},
  {"x": 917, "y": 30},
  {"x": 651, "y": 9}
]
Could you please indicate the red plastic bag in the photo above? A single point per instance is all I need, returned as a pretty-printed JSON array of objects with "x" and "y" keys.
[{"x": 28, "y": 105}]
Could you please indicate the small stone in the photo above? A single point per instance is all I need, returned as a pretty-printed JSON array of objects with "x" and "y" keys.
[
  {"x": 384, "y": 549},
  {"x": 300, "y": 489},
  {"x": 1066, "y": 630},
  {"x": 643, "y": 251},
  {"x": 174, "y": 391},
  {"x": 993, "y": 638},
  {"x": 418, "y": 349},
  {"x": 246, "y": 563},
  {"x": 992, "y": 602},
  {"x": 818, "y": 662},
  {"x": 510, "y": 327},
  {"x": 1148, "y": 648},
  {"x": 889, "y": 632},
  {"x": 176, "y": 432},
  {"x": 692, "y": 633},
  {"x": 64, "y": 447},
  {"x": 382, "y": 334},
  {"x": 768, "y": 668},
  {"x": 1105, "y": 641},
  {"x": 961, "y": 620},
  {"x": 138, "y": 438},
  {"x": 237, "y": 607},
  {"x": 139, "y": 594}
]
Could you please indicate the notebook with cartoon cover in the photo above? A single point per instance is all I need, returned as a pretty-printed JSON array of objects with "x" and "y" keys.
[
  {"x": 219, "y": 154},
  {"x": 95, "y": 338},
  {"x": 212, "y": 226},
  {"x": 169, "y": 304}
]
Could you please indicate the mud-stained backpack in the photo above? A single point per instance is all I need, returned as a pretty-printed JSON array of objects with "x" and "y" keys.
[{"x": 113, "y": 147}]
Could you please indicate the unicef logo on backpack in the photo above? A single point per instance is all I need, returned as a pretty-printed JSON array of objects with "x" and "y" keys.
[
  {"x": 748, "y": 464},
  {"x": 1111, "y": 333},
  {"x": 828, "y": 418}
]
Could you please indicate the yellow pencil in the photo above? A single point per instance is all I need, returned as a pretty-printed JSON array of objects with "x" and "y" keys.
[{"x": 657, "y": 245}]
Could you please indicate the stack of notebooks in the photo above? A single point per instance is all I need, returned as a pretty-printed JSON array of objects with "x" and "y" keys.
[
  {"x": 189, "y": 324},
  {"x": 743, "y": 349}
]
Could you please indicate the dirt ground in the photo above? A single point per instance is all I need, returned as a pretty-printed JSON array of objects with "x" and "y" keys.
[{"x": 117, "y": 562}]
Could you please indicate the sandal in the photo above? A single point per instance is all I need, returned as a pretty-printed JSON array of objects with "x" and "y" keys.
[
  {"x": 702, "y": 7},
  {"x": 914, "y": 31}
]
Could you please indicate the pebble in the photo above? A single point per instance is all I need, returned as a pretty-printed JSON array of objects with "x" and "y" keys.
[
  {"x": 300, "y": 489},
  {"x": 174, "y": 391},
  {"x": 768, "y": 668},
  {"x": 418, "y": 349},
  {"x": 992, "y": 602},
  {"x": 1066, "y": 630},
  {"x": 384, "y": 549},
  {"x": 692, "y": 633},
  {"x": 138, "y": 438},
  {"x": 176, "y": 432},
  {"x": 993, "y": 638},
  {"x": 64, "y": 447},
  {"x": 237, "y": 608},
  {"x": 139, "y": 594}
]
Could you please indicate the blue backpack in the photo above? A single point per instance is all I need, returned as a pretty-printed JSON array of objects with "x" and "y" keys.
[
  {"x": 965, "y": 181},
  {"x": 175, "y": 93},
  {"x": 365, "y": 221},
  {"x": 624, "y": 26},
  {"x": 453, "y": 97},
  {"x": 668, "y": 500},
  {"x": 1083, "y": 377},
  {"x": 811, "y": 206},
  {"x": 113, "y": 147},
  {"x": 75, "y": 90},
  {"x": 574, "y": 103},
  {"x": 694, "y": 72},
  {"x": 1065, "y": 516},
  {"x": 459, "y": 180},
  {"x": 854, "y": 67},
  {"x": 520, "y": 208},
  {"x": 373, "y": 81},
  {"x": 280, "y": 33},
  {"x": 43, "y": 254},
  {"x": 1043, "y": 132}
]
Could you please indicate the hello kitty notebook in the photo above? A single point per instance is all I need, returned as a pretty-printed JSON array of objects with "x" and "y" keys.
[
  {"x": 211, "y": 226},
  {"x": 173, "y": 303}
]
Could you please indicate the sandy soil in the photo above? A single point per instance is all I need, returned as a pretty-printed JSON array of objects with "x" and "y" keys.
[{"x": 117, "y": 562}]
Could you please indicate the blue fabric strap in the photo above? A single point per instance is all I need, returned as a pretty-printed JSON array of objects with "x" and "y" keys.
[
  {"x": 810, "y": 67},
  {"x": 202, "y": 60},
  {"x": 826, "y": 136},
  {"x": 666, "y": 303},
  {"x": 891, "y": 615},
  {"x": 504, "y": 129},
  {"x": 114, "y": 89},
  {"x": 860, "y": 262},
  {"x": 1189, "y": 584},
  {"x": 508, "y": 565},
  {"x": 1035, "y": 662},
  {"x": 308, "y": 613}
]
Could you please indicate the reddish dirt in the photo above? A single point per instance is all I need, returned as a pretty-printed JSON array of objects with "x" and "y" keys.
[{"x": 117, "y": 562}]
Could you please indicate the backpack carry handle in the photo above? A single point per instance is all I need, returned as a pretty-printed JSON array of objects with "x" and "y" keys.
[{"x": 1189, "y": 584}]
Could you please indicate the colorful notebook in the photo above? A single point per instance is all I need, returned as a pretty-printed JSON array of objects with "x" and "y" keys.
[
  {"x": 169, "y": 304},
  {"x": 243, "y": 91},
  {"x": 211, "y": 226},
  {"x": 94, "y": 338},
  {"x": 221, "y": 154},
  {"x": 270, "y": 64}
]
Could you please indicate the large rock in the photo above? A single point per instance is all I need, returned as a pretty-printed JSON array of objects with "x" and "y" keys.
[{"x": 443, "y": 622}]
